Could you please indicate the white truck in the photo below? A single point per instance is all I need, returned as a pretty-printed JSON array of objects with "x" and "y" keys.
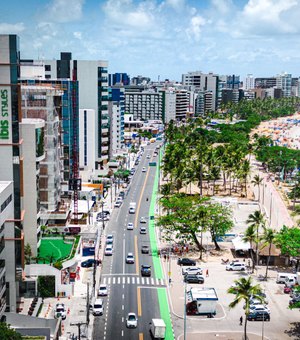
[
  {"x": 202, "y": 301},
  {"x": 158, "y": 329},
  {"x": 132, "y": 207}
]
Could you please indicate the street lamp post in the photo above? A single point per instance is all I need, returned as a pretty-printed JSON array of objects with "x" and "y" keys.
[{"x": 184, "y": 315}]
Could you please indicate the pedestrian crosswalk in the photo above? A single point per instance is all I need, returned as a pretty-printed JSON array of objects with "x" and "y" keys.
[{"x": 140, "y": 281}]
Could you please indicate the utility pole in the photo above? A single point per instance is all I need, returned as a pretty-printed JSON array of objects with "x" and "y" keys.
[
  {"x": 78, "y": 324},
  {"x": 184, "y": 310},
  {"x": 88, "y": 304}
]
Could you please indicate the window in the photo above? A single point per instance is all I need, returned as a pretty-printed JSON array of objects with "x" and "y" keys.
[
  {"x": 48, "y": 76},
  {"x": 47, "y": 68}
]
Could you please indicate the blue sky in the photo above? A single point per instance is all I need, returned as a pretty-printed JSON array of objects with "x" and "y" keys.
[{"x": 162, "y": 37}]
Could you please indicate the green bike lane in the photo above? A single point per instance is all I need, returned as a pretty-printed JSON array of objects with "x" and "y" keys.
[{"x": 158, "y": 272}]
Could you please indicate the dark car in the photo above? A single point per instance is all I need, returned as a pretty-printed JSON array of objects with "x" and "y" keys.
[
  {"x": 259, "y": 316},
  {"x": 122, "y": 194},
  {"x": 186, "y": 262},
  {"x": 145, "y": 250},
  {"x": 193, "y": 278},
  {"x": 145, "y": 270},
  {"x": 89, "y": 263}
]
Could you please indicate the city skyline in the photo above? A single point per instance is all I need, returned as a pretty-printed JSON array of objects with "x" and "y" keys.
[{"x": 162, "y": 39}]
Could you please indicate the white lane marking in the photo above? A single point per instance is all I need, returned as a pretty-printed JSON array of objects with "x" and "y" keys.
[
  {"x": 123, "y": 286},
  {"x": 142, "y": 279},
  {"x": 119, "y": 280},
  {"x": 157, "y": 282},
  {"x": 147, "y": 280},
  {"x": 122, "y": 307},
  {"x": 114, "y": 280},
  {"x": 152, "y": 281},
  {"x": 133, "y": 280},
  {"x": 108, "y": 280},
  {"x": 128, "y": 280},
  {"x": 122, "y": 333},
  {"x": 122, "y": 318},
  {"x": 123, "y": 255},
  {"x": 123, "y": 296},
  {"x": 138, "y": 280},
  {"x": 123, "y": 281},
  {"x": 104, "y": 280}
]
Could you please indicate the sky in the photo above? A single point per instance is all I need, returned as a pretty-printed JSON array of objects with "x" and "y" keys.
[{"x": 162, "y": 38}]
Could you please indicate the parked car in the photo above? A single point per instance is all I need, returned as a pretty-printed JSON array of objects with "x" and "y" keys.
[
  {"x": 98, "y": 307},
  {"x": 130, "y": 226},
  {"x": 108, "y": 250},
  {"x": 193, "y": 278},
  {"x": 109, "y": 239},
  {"x": 259, "y": 308},
  {"x": 131, "y": 320},
  {"x": 186, "y": 262},
  {"x": 192, "y": 270},
  {"x": 144, "y": 169},
  {"x": 122, "y": 194},
  {"x": 258, "y": 316},
  {"x": 143, "y": 230},
  {"x": 148, "y": 156},
  {"x": 60, "y": 311},
  {"x": 145, "y": 270},
  {"x": 236, "y": 266},
  {"x": 102, "y": 290},
  {"x": 130, "y": 258},
  {"x": 89, "y": 263},
  {"x": 145, "y": 249},
  {"x": 143, "y": 219}
]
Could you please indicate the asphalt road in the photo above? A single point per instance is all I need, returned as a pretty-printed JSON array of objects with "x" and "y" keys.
[{"x": 128, "y": 290}]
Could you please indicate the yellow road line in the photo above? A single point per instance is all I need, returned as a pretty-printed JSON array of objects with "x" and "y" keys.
[
  {"x": 141, "y": 336},
  {"x": 140, "y": 200},
  {"x": 139, "y": 301},
  {"x": 136, "y": 251}
]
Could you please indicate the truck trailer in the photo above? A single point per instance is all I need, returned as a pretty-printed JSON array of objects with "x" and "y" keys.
[{"x": 201, "y": 301}]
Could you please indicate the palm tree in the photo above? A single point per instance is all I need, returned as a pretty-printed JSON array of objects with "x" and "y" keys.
[
  {"x": 244, "y": 290},
  {"x": 257, "y": 180},
  {"x": 256, "y": 220},
  {"x": 268, "y": 238},
  {"x": 250, "y": 236}
]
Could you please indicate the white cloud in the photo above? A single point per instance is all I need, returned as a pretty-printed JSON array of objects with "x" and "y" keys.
[
  {"x": 17, "y": 28},
  {"x": 177, "y": 5},
  {"x": 196, "y": 24},
  {"x": 64, "y": 10},
  {"x": 78, "y": 35}
]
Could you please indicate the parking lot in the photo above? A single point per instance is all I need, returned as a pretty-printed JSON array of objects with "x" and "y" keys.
[{"x": 226, "y": 320}]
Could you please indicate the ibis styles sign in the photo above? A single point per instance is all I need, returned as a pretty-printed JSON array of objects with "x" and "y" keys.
[{"x": 5, "y": 115}]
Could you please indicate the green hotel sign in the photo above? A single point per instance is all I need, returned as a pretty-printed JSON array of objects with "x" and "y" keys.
[{"x": 5, "y": 115}]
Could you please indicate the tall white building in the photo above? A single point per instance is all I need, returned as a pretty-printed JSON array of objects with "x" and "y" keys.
[
  {"x": 170, "y": 105},
  {"x": 249, "y": 82},
  {"x": 204, "y": 82},
  {"x": 284, "y": 82}
]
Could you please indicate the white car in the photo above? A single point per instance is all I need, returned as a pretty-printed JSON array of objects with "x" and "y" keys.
[
  {"x": 130, "y": 226},
  {"x": 108, "y": 250},
  {"x": 259, "y": 308},
  {"x": 109, "y": 239},
  {"x": 60, "y": 311},
  {"x": 143, "y": 230},
  {"x": 118, "y": 204},
  {"x": 130, "y": 258},
  {"x": 131, "y": 320},
  {"x": 144, "y": 169},
  {"x": 143, "y": 220},
  {"x": 236, "y": 266},
  {"x": 191, "y": 270},
  {"x": 148, "y": 156},
  {"x": 102, "y": 290}
]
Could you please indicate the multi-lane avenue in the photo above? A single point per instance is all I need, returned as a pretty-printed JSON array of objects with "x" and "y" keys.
[{"x": 128, "y": 291}]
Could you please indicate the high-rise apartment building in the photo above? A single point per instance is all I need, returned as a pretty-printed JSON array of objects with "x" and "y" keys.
[
  {"x": 284, "y": 82},
  {"x": 118, "y": 79},
  {"x": 249, "y": 82},
  {"x": 92, "y": 77},
  {"x": 204, "y": 82}
]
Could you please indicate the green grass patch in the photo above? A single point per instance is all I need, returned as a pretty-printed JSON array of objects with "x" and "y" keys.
[{"x": 52, "y": 250}]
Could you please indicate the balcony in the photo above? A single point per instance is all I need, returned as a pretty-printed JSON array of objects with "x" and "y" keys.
[
  {"x": 104, "y": 157},
  {"x": 104, "y": 139},
  {"x": 104, "y": 148}
]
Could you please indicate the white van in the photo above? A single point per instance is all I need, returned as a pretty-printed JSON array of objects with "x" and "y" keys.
[
  {"x": 236, "y": 266},
  {"x": 281, "y": 277},
  {"x": 98, "y": 307},
  {"x": 291, "y": 280}
]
